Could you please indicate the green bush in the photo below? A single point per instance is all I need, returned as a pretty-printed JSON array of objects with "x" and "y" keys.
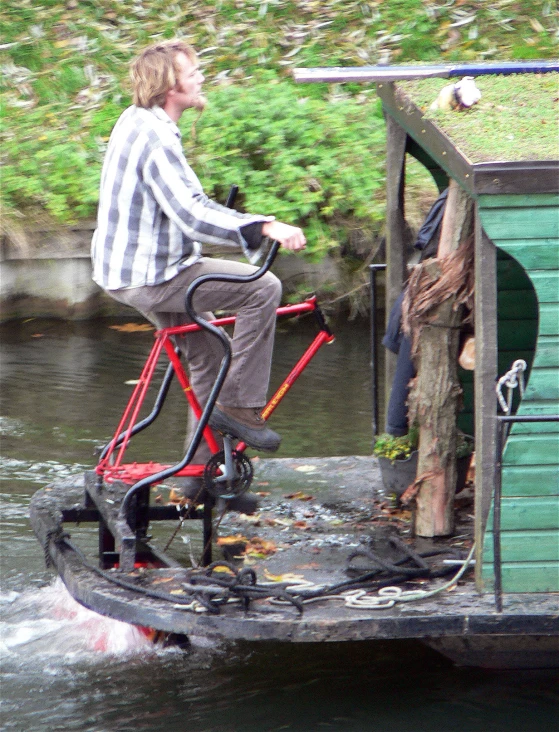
[
  {"x": 49, "y": 163},
  {"x": 311, "y": 153},
  {"x": 300, "y": 159},
  {"x": 396, "y": 448},
  {"x": 297, "y": 158}
]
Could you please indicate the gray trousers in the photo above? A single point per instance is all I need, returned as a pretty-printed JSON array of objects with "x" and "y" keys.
[{"x": 252, "y": 343}]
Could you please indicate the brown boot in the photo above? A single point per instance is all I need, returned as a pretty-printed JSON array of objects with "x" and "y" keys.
[{"x": 246, "y": 425}]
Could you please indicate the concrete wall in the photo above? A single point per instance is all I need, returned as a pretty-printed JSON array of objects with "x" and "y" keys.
[{"x": 46, "y": 272}]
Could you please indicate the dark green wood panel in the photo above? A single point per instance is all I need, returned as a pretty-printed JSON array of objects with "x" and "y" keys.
[
  {"x": 546, "y": 284},
  {"x": 511, "y": 305},
  {"x": 536, "y": 428},
  {"x": 527, "y": 513},
  {"x": 524, "y": 546},
  {"x": 506, "y": 358},
  {"x": 517, "y": 335},
  {"x": 510, "y": 274},
  {"x": 532, "y": 450},
  {"x": 537, "y": 481},
  {"x": 520, "y": 223},
  {"x": 467, "y": 392},
  {"x": 525, "y": 230},
  {"x": 535, "y": 253},
  {"x": 525, "y": 577},
  {"x": 539, "y": 406}
]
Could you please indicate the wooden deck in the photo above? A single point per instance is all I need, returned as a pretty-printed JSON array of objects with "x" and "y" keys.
[{"x": 350, "y": 513}]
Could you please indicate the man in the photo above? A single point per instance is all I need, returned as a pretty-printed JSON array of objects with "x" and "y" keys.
[
  {"x": 153, "y": 217},
  {"x": 395, "y": 340}
]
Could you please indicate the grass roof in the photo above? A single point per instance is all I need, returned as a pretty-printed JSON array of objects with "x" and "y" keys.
[{"x": 516, "y": 119}]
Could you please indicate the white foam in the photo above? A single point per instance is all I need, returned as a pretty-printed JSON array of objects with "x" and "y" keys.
[{"x": 49, "y": 622}]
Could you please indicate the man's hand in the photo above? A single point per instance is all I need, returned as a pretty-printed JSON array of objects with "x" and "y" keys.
[{"x": 290, "y": 237}]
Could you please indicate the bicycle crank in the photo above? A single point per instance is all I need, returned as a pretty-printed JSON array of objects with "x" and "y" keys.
[{"x": 228, "y": 474}]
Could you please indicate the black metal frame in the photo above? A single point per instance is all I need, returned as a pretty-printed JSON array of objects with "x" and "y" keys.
[{"x": 374, "y": 269}]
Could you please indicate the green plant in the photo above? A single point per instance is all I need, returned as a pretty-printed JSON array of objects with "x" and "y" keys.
[
  {"x": 396, "y": 448},
  {"x": 296, "y": 157},
  {"x": 400, "y": 448}
]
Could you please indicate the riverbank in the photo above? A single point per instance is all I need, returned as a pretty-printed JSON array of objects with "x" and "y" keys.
[{"x": 45, "y": 272}]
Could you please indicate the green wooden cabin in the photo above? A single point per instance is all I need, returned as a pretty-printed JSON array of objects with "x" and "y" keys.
[{"x": 516, "y": 302}]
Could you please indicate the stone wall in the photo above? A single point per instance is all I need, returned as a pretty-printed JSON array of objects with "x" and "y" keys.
[{"x": 46, "y": 272}]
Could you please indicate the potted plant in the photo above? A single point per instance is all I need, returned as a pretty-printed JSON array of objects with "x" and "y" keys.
[{"x": 398, "y": 458}]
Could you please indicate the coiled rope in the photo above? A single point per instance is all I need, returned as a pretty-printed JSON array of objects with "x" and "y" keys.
[
  {"x": 209, "y": 588},
  {"x": 512, "y": 379}
]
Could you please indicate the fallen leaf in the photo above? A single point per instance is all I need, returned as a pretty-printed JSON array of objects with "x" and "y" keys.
[
  {"x": 260, "y": 548},
  {"x": 177, "y": 592},
  {"x": 249, "y": 519},
  {"x": 300, "y": 524},
  {"x": 223, "y": 569},
  {"x": 287, "y": 577},
  {"x": 177, "y": 497},
  {"x": 231, "y": 540},
  {"x": 299, "y": 496},
  {"x": 133, "y": 327},
  {"x": 282, "y": 522}
]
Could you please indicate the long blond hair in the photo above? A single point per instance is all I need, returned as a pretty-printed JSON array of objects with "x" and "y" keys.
[{"x": 154, "y": 72}]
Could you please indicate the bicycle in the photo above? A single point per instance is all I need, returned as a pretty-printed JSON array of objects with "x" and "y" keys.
[{"x": 227, "y": 474}]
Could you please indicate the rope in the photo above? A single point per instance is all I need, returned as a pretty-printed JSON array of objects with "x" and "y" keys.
[
  {"x": 388, "y": 596},
  {"x": 512, "y": 379},
  {"x": 208, "y": 590}
]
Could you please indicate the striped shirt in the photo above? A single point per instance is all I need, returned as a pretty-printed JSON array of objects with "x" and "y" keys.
[{"x": 153, "y": 215}]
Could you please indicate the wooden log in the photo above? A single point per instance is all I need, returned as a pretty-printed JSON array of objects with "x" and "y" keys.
[
  {"x": 435, "y": 396},
  {"x": 437, "y": 393}
]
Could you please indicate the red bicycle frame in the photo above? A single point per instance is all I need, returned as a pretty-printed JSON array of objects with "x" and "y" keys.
[{"x": 112, "y": 467}]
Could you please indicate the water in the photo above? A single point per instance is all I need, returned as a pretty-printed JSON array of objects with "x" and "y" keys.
[{"x": 63, "y": 387}]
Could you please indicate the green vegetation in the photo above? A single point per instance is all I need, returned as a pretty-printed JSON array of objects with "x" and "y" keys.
[
  {"x": 400, "y": 448},
  {"x": 396, "y": 448},
  {"x": 517, "y": 117},
  {"x": 309, "y": 153}
]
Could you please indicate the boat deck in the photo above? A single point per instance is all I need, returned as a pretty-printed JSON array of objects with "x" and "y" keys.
[{"x": 314, "y": 515}]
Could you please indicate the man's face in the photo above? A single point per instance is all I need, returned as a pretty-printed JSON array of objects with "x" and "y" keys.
[{"x": 189, "y": 84}]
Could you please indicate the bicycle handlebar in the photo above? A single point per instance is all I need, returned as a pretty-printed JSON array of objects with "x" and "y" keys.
[{"x": 260, "y": 272}]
